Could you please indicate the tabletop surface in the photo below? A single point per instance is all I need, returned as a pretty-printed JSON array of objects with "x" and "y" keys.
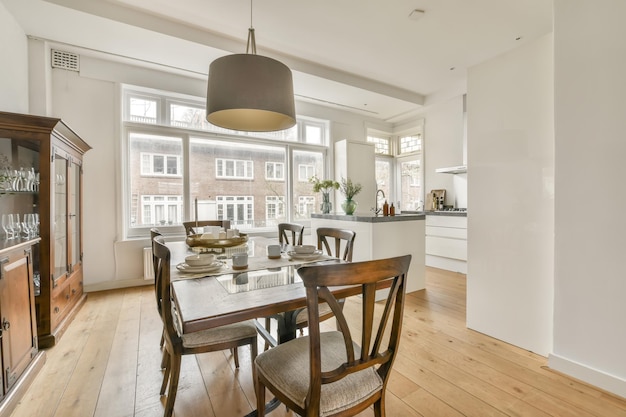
[{"x": 271, "y": 287}]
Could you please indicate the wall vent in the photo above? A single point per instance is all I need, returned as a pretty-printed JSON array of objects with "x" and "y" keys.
[{"x": 65, "y": 60}]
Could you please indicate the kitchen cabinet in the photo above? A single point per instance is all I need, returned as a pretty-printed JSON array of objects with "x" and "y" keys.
[
  {"x": 446, "y": 242},
  {"x": 49, "y": 151}
]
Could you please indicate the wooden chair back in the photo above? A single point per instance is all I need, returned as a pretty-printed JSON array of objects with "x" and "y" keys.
[
  {"x": 163, "y": 279},
  {"x": 154, "y": 232},
  {"x": 201, "y": 223},
  {"x": 290, "y": 233},
  {"x": 330, "y": 240},
  {"x": 379, "y": 334}
]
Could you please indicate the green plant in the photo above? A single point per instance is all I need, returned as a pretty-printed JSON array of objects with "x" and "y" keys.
[
  {"x": 349, "y": 188},
  {"x": 324, "y": 186}
]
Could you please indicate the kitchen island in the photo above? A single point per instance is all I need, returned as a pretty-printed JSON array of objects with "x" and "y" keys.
[{"x": 380, "y": 237}]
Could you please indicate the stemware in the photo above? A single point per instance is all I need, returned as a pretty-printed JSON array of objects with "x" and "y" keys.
[{"x": 5, "y": 226}]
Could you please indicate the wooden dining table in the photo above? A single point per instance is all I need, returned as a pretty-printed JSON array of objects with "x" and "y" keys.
[{"x": 266, "y": 288}]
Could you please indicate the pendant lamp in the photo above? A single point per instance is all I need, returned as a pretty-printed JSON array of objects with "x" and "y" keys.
[{"x": 250, "y": 92}]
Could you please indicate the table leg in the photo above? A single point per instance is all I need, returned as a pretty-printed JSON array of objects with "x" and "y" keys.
[{"x": 286, "y": 332}]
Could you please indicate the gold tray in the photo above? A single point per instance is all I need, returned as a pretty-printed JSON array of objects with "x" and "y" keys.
[{"x": 194, "y": 241}]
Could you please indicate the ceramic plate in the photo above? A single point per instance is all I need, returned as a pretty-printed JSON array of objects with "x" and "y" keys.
[
  {"x": 305, "y": 256},
  {"x": 214, "y": 266}
]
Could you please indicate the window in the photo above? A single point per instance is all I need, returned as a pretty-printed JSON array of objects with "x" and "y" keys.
[
  {"x": 153, "y": 164},
  {"x": 305, "y": 172},
  {"x": 161, "y": 210},
  {"x": 274, "y": 209},
  {"x": 275, "y": 171},
  {"x": 237, "y": 209},
  {"x": 411, "y": 194},
  {"x": 178, "y": 167},
  {"x": 306, "y": 204},
  {"x": 381, "y": 144},
  {"x": 230, "y": 168},
  {"x": 410, "y": 144}
]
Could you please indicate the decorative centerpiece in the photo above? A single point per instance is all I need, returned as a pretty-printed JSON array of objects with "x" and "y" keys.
[
  {"x": 349, "y": 190},
  {"x": 215, "y": 245},
  {"x": 324, "y": 187}
]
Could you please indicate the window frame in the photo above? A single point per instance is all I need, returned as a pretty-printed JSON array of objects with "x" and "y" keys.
[{"x": 162, "y": 128}]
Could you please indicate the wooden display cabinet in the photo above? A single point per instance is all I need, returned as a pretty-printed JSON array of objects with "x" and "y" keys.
[{"x": 51, "y": 151}]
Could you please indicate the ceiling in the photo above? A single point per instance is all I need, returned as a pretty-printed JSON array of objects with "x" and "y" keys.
[{"x": 372, "y": 57}]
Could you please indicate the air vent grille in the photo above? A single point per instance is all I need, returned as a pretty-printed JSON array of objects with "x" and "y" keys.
[{"x": 65, "y": 60}]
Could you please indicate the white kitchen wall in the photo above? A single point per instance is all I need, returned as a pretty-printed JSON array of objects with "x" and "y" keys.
[
  {"x": 590, "y": 240},
  {"x": 443, "y": 137},
  {"x": 510, "y": 139},
  {"x": 14, "y": 67}
]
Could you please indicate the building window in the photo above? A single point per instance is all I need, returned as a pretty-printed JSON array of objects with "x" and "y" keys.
[
  {"x": 161, "y": 210},
  {"x": 305, "y": 172},
  {"x": 238, "y": 209},
  {"x": 274, "y": 209},
  {"x": 275, "y": 171},
  {"x": 234, "y": 169},
  {"x": 153, "y": 164},
  {"x": 306, "y": 204},
  {"x": 143, "y": 110}
]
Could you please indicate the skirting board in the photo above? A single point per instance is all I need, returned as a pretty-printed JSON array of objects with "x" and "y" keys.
[
  {"x": 600, "y": 379},
  {"x": 448, "y": 264},
  {"x": 117, "y": 284}
]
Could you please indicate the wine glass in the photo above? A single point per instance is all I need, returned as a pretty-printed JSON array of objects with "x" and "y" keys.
[{"x": 5, "y": 226}]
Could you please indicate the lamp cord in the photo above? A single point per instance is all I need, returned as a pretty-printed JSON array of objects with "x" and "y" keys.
[{"x": 251, "y": 46}]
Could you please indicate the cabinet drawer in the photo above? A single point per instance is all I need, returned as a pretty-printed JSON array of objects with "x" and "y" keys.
[
  {"x": 449, "y": 232},
  {"x": 59, "y": 303},
  {"x": 447, "y": 221},
  {"x": 448, "y": 248}
]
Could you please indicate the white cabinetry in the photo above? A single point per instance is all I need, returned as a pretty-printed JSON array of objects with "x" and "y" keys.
[{"x": 446, "y": 242}]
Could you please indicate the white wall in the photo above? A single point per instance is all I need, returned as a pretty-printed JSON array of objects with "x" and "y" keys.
[
  {"x": 511, "y": 198},
  {"x": 14, "y": 67},
  {"x": 590, "y": 241},
  {"x": 443, "y": 137}
]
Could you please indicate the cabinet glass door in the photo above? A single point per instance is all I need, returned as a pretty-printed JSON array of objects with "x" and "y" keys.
[
  {"x": 74, "y": 183},
  {"x": 59, "y": 226}
]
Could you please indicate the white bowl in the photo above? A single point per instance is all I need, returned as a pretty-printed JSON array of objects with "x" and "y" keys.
[
  {"x": 201, "y": 259},
  {"x": 304, "y": 249}
]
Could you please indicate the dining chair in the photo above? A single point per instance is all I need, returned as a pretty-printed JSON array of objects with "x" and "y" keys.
[
  {"x": 290, "y": 234},
  {"x": 330, "y": 240},
  {"x": 178, "y": 344},
  {"x": 201, "y": 223},
  {"x": 329, "y": 374}
]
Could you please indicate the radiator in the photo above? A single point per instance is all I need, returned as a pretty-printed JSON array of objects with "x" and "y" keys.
[{"x": 148, "y": 269}]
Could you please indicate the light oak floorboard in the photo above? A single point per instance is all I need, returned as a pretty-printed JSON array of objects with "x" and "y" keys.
[{"x": 108, "y": 364}]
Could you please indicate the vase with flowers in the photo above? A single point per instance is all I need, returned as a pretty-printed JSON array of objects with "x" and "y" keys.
[
  {"x": 324, "y": 186},
  {"x": 349, "y": 189}
]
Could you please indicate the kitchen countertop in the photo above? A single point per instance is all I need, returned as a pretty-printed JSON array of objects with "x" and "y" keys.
[{"x": 371, "y": 218}]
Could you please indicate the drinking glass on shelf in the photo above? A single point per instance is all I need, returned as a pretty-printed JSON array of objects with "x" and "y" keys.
[{"x": 5, "y": 226}]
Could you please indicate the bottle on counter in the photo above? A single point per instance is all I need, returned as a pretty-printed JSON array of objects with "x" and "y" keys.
[
  {"x": 385, "y": 208},
  {"x": 440, "y": 203},
  {"x": 392, "y": 210}
]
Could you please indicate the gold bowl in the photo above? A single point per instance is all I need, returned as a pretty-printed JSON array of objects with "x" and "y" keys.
[{"x": 197, "y": 241}]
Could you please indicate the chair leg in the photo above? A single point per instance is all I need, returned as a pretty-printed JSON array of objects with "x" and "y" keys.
[
  {"x": 268, "y": 327},
  {"x": 166, "y": 372},
  {"x": 379, "y": 407},
  {"x": 164, "y": 358},
  {"x": 260, "y": 396},
  {"x": 171, "y": 393},
  {"x": 235, "y": 356},
  {"x": 162, "y": 339}
]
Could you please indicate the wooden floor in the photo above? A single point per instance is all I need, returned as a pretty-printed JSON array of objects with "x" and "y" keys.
[{"x": 107, "y": 365}]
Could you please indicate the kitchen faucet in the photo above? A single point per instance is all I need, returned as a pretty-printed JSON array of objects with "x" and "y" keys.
[{"x": 377, "y": 210}]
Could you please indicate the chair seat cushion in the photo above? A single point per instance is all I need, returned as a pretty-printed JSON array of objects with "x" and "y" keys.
[
  {"x": 303, "y": 316},
  {"x": 221, "y": 334},
  {"x": 287, "y": 368}
]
